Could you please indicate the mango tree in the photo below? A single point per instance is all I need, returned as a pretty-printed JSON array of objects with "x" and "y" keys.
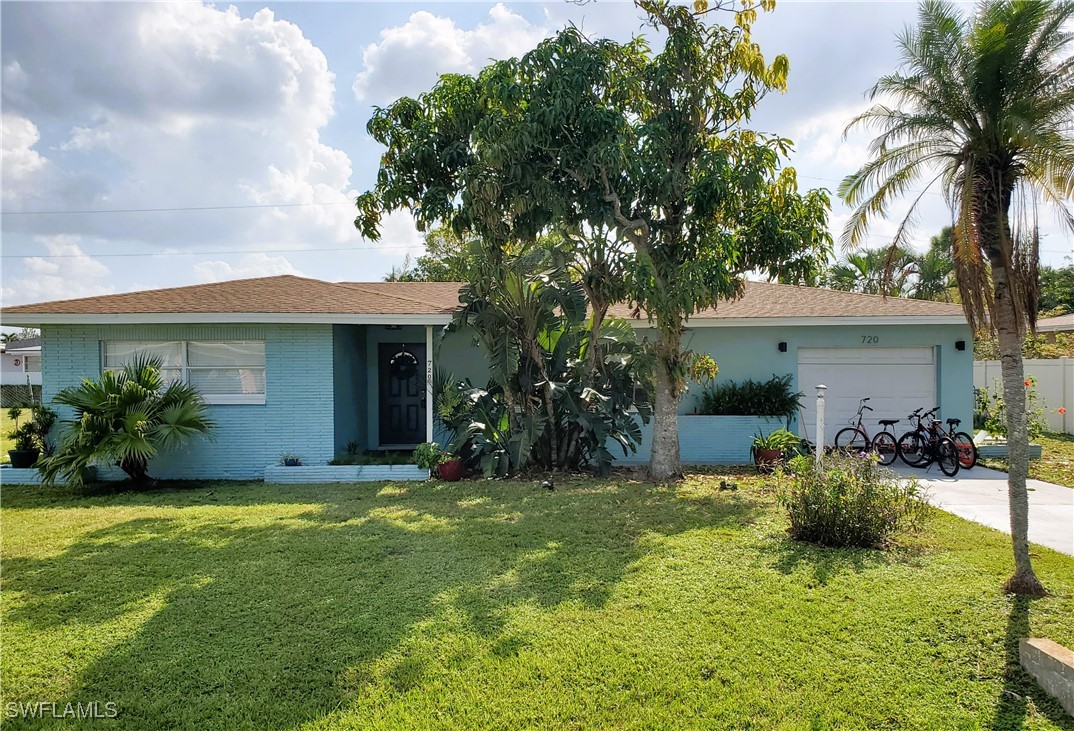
[{"x": 587, "y": 135}]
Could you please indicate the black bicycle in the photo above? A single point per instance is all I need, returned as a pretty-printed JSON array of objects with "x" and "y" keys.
[
  {"x": 856, "y": 438},
  {"x": 927, "y": 444}
]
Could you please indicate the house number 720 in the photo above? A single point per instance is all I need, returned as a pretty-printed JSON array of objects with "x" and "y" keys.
[{"x": 870, "y": 339}]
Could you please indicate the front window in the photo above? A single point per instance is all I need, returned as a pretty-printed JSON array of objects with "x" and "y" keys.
[{"x": 223, "y": 371}]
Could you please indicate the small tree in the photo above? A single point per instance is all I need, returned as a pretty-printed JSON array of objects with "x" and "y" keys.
[{"x": 126, "y": 418}]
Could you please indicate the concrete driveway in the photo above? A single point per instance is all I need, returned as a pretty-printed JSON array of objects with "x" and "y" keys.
[{"x": 980, "y": 495}]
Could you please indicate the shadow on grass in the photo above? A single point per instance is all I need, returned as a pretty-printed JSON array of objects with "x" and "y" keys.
[
  {"x": 273, "y": 613},
  {"x": 823, "y": 563},
  {"x": 1018, "y": 686}
]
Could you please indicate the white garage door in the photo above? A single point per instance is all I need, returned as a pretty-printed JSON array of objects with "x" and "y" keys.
[{"x": 896, "y": 380}]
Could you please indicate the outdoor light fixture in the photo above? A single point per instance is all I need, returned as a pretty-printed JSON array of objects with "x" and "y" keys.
[
  {"x": 960, "y": 345},
  {"x": 782, "y": 347}
]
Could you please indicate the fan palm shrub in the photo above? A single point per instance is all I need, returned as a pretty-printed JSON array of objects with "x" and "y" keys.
[{"x": 126, "y": 418}]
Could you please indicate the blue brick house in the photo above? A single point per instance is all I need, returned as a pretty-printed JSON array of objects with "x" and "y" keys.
[{"x": 297, "y": 365}]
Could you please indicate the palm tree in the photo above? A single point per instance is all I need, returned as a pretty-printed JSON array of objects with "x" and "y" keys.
[
  {"x": 984, "y": 105},
  {"x": 935, "y": 270},
  {"x": 875, "y": 271},
  {"x": 127, "y": 418}
]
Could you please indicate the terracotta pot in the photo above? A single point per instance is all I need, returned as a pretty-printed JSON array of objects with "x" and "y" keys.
[
  {"x": 23, "y": 458},
  {"x": 767, "y": 458},
  {"x": 451, "y": 471}
]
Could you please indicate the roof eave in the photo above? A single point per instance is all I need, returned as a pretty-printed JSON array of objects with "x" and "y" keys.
[
  {"x": 303, "y": 318},
  {"x": 202, "y": 318}
]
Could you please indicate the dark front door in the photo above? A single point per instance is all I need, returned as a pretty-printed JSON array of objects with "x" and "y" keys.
[{"x": 402, "y": 393}]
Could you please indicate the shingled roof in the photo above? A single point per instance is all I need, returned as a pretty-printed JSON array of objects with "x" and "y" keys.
[{"x": 291, "y": 295}]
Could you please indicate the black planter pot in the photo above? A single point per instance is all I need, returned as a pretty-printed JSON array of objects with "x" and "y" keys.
[{"x": 23, "y": 458}]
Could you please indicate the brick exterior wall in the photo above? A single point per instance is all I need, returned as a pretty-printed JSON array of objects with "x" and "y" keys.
[
  {"x": 706, "y": 439},
  {"x": 297, "y": 415},
  {"x": 344, "y": 473}
]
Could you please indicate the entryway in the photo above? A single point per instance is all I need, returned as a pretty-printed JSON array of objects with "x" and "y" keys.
[{"x": 402, "y": 394}]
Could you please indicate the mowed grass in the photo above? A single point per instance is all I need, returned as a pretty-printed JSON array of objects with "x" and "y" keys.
[
  {"x": 7, "y": 425},
  {"x": 603, "y": 604},
  {"x": 1056, "y": 463}
]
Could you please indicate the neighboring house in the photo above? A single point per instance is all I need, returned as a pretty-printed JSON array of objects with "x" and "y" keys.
[
  {"x": 20, "y": 371},
  {"x": 304, "y": 366},
  {"x": 1051, "y": 326},
  {"x": 20, "y": 362}
]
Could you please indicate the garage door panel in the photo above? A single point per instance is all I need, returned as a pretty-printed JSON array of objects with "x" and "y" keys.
[
  {"x": 873, "y": 356},
  {"x": 894, "y": 389}
]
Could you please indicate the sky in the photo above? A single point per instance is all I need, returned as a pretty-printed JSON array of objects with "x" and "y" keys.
[{"x": 164, "y": 144}]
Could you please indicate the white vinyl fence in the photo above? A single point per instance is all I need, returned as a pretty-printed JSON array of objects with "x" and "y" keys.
[{"x": 1055, "y": 386}]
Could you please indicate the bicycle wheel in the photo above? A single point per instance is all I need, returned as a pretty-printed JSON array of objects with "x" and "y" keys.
[
  {"x": 947, "y": 456},
  {"x": 885, "y": 447},
  {"x": 913, "y": 449},
  {"x": 852, "y": 441},
  {"x": 967, "y": 450}
]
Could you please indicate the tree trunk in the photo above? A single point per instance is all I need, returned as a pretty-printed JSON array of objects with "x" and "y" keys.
[
  {"x": 136, "y": 469},
  {"x": 1024, "y": 580},
  {"x": 664, "y": 461}
]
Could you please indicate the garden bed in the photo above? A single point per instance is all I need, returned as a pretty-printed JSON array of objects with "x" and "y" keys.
[
  {"x": 30, "y": 476},
  {"x": 708, "y": 440},
  {"x": 999, "y": 450},
  {"x": 276, "y": 474}
]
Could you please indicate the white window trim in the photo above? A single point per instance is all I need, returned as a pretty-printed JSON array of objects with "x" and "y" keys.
[{"x": 221, "y": 399}]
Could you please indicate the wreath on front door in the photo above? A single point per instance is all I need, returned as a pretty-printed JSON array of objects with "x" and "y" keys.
[{"x": 403, "y": 365}]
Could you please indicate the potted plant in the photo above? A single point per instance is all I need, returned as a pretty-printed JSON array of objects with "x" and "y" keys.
[
  {"x": 290, "y": 460},
  {"x": 26, "y": 451},
  {"x": 428, "y": 455},
  {"x": 451, "y": 468},
  {"x": 445, "y": 465},
  {"x": 769, "y": 450},
  {"x": 31, "y": 438}
]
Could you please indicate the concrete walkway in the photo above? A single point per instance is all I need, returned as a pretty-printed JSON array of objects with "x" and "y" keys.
[{"x": 980, "y": 495}]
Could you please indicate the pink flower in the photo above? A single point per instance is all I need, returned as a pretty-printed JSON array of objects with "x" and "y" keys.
[
  {"x": 1061, "y": 410},
  {"x": 1028, "y": 383}
]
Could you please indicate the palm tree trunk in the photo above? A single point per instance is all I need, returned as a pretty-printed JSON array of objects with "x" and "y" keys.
[
  {"x": 664, "y": 463},
  {"x": 1024, "y": 580},
  {"x": 136, "y": 469}
]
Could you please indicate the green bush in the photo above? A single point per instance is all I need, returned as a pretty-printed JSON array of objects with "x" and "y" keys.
[
  {"x": 428, "y": 455},
  {"x": 990, "y": 414},
  {"x": 851, "y": 501},
  {"x": 774, "y": 397}
]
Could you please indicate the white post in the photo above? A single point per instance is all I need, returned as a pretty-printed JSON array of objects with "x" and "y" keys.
[
  {"x": 820, "y": 422},
  {"x": 428, "y": 383}
]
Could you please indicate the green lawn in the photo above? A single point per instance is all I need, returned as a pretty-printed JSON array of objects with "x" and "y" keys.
[
  {"x": 500, "y": 605},
  {"x": 1056, "y": 463},
  {"x": 6, "y": 443}
]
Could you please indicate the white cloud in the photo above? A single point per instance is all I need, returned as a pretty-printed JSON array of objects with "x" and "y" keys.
[
  {"x": 248, "y": 266},
  {"x": 819, "y": 140},
  {"x": 69, "y": 273},
  {"x": 21, "y": 162},
  {"x": 171, "y": 105},
  {"x": 408, "y": 59}
]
